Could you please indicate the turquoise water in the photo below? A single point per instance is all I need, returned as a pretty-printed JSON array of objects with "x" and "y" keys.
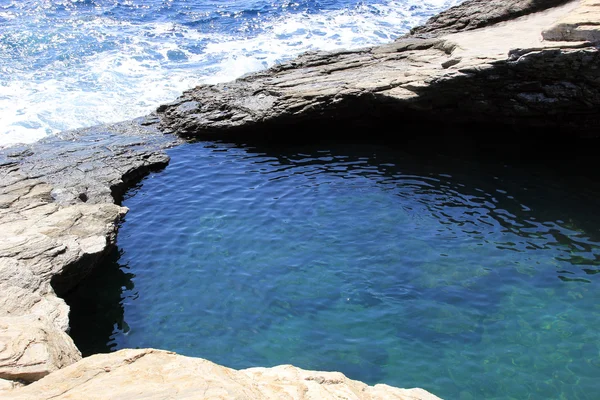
[{"x": 470, "y": 279}]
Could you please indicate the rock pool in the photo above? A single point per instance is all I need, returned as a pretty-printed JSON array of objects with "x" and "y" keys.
[{"x": 471, "y": 279}]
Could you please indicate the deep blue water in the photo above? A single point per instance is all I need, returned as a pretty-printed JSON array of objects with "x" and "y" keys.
[
  {"x": 468, "y": 278},
  {"x": 67, "y": 64}
]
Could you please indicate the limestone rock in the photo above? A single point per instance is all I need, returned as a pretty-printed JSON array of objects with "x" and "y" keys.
[
  {"x": 32, "y": 347},
  {"x": 503, "y": 75},
  {"x": 57, "y": 219},
  {"x": 582, "y": 24},
  {"x": 156, "y": 374}
]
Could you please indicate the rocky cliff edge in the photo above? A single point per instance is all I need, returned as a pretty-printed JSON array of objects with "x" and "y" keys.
[{"x": 519, "y": 63}]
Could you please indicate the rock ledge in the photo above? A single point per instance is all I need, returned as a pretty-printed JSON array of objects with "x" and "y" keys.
[
  {"x": 522, "y": 64},
  {"x": 157, "y": 374}
]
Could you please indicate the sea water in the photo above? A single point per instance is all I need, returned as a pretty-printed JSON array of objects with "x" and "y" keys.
[
  {"x": 66, "y": 64},
  {"x": 471, "y": 278}
]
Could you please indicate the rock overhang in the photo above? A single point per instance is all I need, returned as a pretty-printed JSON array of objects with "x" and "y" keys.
[{"x": 536, "y": 75}]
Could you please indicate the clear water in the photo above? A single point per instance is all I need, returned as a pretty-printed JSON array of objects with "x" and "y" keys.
[
  {"x": 67, "y": 64},
  {"x": 470, "y": 279}
]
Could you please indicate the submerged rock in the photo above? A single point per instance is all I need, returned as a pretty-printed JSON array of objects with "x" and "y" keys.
[{"x": 157, "y": 374}]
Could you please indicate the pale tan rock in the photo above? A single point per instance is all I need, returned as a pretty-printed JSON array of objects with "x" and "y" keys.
[
  {"x": 582, "y": 23},
  {"x": 32, "y": 347},
  {"x": 52, "y": 232},
  {"x": 6, "y": 386},
  {"x": 304, "y": 384},
  {"x": 39, "y": 243},
  {"x": 156, "y": 374}
]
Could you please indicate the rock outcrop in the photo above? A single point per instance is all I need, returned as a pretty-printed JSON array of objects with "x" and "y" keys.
[
  {"x": 486, "y": 62},
  {"x": 500, "y": 75},
  {"x": 32, "y": 347},
  {"x": 581, "y": 24},
  {"x": 476, "y": 14},
  {"x": 157, "y": 374},
  {"x": 57, "y": 218}
]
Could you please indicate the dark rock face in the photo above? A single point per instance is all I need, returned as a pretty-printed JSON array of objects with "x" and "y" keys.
[
  {"x": 465, "y": 66},
  {"x": 502, "y": 75},
  {"x": 555, "y": 89},
  {"x": 474, "y": 14}
]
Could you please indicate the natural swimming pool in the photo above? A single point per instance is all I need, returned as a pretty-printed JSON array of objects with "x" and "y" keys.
[{"x": 467, "y": 278}]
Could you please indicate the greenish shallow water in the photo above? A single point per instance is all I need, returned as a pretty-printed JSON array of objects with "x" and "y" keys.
[{"x": 469, "y": 280}]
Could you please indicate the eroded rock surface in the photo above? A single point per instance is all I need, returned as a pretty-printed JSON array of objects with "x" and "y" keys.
[
  {"x": 31, "y": 347},
  {"x": 583, "y": 23},
  {"x": 474, "y": 63},
  {"x": 156, "y": 374},
  {"x": 476, "y": 14},
  {"x": 503, "y": 74},
  {"x": 57, "y": 218}
]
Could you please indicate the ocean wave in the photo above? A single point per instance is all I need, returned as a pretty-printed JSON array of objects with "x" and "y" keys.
[{"x": 69, "y": 64}]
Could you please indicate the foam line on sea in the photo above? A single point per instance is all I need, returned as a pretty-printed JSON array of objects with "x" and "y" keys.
[{"x": 74, "y": 63}]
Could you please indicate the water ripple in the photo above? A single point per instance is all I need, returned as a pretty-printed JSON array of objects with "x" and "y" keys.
[{"x": 469, "y": 281}]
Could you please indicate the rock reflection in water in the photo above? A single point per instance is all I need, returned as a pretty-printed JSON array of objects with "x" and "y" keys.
[
  {"x": 388, "y": 265},
  {"x": 96, "y": 306}
]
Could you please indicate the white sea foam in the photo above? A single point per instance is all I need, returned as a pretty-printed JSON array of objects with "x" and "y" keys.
[{"x": 140, "y": 66}]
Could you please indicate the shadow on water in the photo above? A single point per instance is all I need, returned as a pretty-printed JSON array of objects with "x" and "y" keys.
[
  {"x": 527, "y": 200},
  {"x": 96, "y": 306}
]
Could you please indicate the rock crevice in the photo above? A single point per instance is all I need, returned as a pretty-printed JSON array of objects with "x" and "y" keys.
[
  {"x": 521, "y": 64},
  {"x": 57, "y": 219},
  {"x": 500, "y": 74}
]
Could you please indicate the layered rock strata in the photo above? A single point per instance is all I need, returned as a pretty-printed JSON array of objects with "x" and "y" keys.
[
  {"x": 57, "y": 218},
  {"x": 486, "y": 61},
  {"x": 156, "y": 374},
  {"x": 503, "y": 74}
]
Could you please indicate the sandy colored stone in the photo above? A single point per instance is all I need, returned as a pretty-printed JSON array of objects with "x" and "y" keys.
[
  {"x": 57, "y": 219},
  {"x": 32, "y": 347},
  {"x": 6, "y": 385},
  {"x": 582, "y": 23},
  {"x": 156, "y": 374}
]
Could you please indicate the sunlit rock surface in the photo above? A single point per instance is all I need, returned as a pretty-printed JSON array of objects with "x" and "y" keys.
[
  {"x": 32, "y": 347},
  {"x": 57, "y": 218},
  {"x": 157, "y": 374},
  {"x": 486, "y": 61},
  {"x": 446, "y": 72}
]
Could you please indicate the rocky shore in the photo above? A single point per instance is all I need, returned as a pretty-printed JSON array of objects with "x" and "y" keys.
[
  {"x": 513, "y": 74},
  {"x": 528, "y": 66}
]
